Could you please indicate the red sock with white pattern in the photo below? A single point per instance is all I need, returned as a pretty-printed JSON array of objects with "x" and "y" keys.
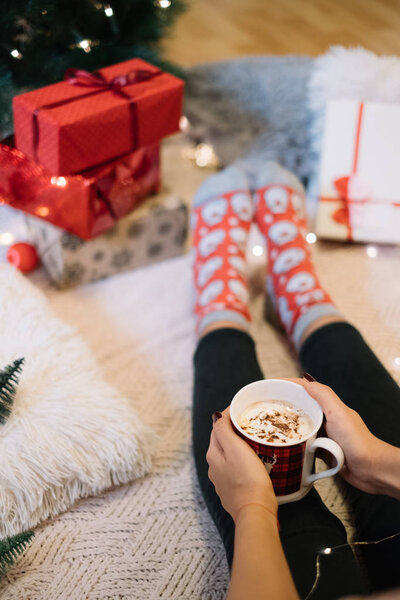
[
  {"x": 221, "y": 218},
  {"x": 298, "y": 296}
]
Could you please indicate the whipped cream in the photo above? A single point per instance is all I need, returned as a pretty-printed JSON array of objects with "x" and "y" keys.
[{"x": 275, "y": 422}]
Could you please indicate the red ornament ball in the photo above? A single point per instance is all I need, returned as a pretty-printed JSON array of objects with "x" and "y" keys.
[{"x": 23, "y": 256}]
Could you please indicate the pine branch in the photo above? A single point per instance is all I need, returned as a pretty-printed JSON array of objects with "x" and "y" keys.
[
  {"x": 8, "y": 386},
  {"x": 11, "y": 548}
]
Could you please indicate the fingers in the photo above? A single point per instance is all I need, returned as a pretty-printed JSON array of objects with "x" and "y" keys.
[
  {"x": 224, "y": 433},
  {"x": 299, "y": 380},
  {"x": 226, "y": 437},
  {"x": 325, "y": 396}
]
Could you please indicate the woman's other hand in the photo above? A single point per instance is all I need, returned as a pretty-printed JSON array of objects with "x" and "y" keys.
[
  {"x": 370, "y": 465},
  {"x": 237, "y": 473}
]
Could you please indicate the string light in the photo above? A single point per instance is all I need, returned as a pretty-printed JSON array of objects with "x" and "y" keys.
[
  {"x": 183, "y": 123},
  {"x": 258, "y": 250},
  {"x": 42, "y": 211},
  {"x": 16, "y": 54},
  {"x": 164, "y": 3},
  {"x": 85, "y": 45},
  {"x": 202, "y": 154},
  {"x": 330, "y": 550},
  {"x": 109, "y": 11},
  {"x": 311, "y": 238},
  {"x": 6, "y": 238},
  {"x": 60, "y": 181},
  {"x": 372, "y": 251}
]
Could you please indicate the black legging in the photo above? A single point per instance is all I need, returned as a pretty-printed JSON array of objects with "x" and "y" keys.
[{"x": 336, "y": 355}]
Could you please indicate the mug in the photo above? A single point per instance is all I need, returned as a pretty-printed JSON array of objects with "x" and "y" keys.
[{"x": 290, "y": 465}]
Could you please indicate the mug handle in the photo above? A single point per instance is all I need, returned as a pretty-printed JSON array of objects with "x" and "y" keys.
[{"x": 333, "y": 448}]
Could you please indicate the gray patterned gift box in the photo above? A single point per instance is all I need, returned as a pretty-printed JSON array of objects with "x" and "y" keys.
[{"x": 155, "y": 231}]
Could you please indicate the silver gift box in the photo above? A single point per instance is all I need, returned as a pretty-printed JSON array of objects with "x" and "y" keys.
[{"x": 155, "y": 231}]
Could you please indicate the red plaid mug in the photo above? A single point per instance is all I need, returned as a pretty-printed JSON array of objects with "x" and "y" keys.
[{"x": 290, "y": 465}]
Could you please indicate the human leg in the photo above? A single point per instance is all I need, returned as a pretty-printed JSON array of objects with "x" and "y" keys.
[
  {"x": 343, "y": 361},
  {"x": 292, "y": 282},
  {"x": 225, "y": 361},
  {"x": 336, "y": 355},
  {"x": 221, "y": 219}
]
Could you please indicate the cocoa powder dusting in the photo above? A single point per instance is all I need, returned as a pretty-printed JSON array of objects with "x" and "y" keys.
[{"x": 285, "y": 424}]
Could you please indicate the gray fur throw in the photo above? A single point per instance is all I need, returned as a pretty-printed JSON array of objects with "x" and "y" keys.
[{"x": 253, "y": 108}]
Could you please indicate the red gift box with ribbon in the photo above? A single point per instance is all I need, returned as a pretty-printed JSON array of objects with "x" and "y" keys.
[
  {"x": 87, "y": 204},
  {"x": 92, "y": 118}
]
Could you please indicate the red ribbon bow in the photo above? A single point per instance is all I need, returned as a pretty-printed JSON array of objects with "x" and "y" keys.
[
  {"x": 341, "y": 215},
  {"x": 83, "y": 78}
]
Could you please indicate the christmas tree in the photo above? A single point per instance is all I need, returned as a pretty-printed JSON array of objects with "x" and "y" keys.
[
  {"x": 11, "y": 547},
  {"x": 8, "y": 383},
  {"x": 40, "y": 39}
]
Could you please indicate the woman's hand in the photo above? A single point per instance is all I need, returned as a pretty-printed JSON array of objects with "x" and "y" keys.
[
  {"x": 237, "y": 473},
  {"x": 370, "y": 463},
  {"x": 259, "y": 569}
]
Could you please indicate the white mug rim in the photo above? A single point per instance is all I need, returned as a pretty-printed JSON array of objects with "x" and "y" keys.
[{"x": 275, "y": 444}]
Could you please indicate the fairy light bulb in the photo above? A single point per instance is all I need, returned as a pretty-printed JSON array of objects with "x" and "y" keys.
[
  {"x": 85, "y": 45},
  {"x": 164, "y": 3},
  {"x": 311, "y": 237},
  {"x": 60, "y": 181},
  {"x": 183, "y": 123},
  {"x": 108, "y": 11},
  {"x": 42, "y": 211},
  {"x": 6, "y": 238},
  {"x": 204, "y": 155},
  {"x": 16, "y": 54},
  {"x": 257, "y": 250},
  {"x": 372, "y": 251},
  {"x": 327, "y": 551}
]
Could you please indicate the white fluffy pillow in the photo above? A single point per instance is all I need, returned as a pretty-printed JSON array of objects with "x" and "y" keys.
[
  {"x": 70, "y": 434},
  {"x": 348, "y": 73}
]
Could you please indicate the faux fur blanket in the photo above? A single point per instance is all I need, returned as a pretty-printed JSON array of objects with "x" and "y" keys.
[{"x": 70, "y": 434}]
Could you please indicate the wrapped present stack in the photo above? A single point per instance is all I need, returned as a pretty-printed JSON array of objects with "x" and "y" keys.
[
  {"x": 359, "y": 195},
  {"x": 154, "y": 231},
  {"x": 85, "y": 155}
]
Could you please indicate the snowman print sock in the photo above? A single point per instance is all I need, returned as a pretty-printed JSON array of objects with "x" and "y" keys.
[
  {"x": 221, "y": 218},
  {"x": 292, "y": 282}
]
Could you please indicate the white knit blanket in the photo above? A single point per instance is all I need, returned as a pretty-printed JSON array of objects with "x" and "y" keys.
[{"x": 153, "y": 539}]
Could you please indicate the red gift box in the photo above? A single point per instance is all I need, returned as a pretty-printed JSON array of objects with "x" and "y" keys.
[
  {"x": 92, "y": 118},
  {"x": 86, "y": 204}
]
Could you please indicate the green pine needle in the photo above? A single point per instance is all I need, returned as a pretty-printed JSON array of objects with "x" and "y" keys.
[
  {"x": 8, "y": 385},
  {"x": 11, "y": 548}
]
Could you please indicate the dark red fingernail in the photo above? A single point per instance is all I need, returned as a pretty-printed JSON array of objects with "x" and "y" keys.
[
  {"x": 215, "y": 416},
  {"x": 308, "y": 377}
]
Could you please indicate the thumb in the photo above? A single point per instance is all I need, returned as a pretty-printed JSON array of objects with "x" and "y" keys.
[{"x": 330, "y": 403}]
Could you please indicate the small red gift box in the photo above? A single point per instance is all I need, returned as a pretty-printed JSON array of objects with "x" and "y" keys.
[
  {"x": 92, "y": 118},
  {"x": 87, "y": 204}
]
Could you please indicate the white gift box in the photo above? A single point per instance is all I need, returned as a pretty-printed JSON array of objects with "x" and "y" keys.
[{"x": 359, "y": 179}]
